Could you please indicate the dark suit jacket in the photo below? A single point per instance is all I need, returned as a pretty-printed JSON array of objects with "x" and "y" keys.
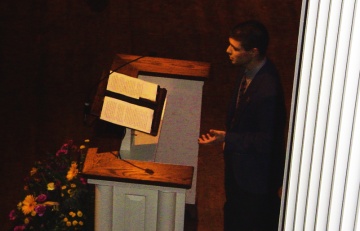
[{"x": 254, "y": 141}]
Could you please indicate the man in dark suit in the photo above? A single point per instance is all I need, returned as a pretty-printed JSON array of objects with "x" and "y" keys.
[{"x": 254, "y": 137}]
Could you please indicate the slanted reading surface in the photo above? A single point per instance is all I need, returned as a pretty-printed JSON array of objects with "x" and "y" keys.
[
  {"x": 132, "y": 87},
  {"x": 126, "y": 114},
  {"x": 133, "y": 103}
]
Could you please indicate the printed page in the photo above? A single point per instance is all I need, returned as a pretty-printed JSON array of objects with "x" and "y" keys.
[
  {"x": 127, "y": 114},
  {"x": 141, "y": 138},
  {"x": 132, "y": 87}
]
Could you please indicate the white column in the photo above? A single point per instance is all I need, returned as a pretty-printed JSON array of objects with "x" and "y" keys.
[
  {"x": 103, "y": 207},
  {"x": 166, "y": 211}
]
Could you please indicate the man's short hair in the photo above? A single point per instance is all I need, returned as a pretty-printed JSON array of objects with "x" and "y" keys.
[{"x": 251, "y": 34}]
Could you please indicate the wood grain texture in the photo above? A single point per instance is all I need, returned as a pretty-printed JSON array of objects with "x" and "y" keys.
[
  {"x": 106, "y": 166},
  {"x": 184, "y": 68}
]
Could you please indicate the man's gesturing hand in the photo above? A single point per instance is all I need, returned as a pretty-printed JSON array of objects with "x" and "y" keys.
[{"x": 213, "y": 136}]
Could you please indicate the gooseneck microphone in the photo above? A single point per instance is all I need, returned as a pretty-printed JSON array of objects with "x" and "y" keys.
[{"x": 147, "y": 170}]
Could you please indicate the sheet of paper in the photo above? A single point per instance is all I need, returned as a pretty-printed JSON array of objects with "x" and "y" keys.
[
  {"x": 141, "y": 138},
  {"x": 127, "y": 114},
  {"x": 132, "y": 87}
]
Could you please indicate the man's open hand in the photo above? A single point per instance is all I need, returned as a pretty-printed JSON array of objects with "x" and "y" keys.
[{"x": 213, "y": 136}]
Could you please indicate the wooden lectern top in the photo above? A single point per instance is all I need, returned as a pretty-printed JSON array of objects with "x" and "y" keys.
[
  {"x": 133, "y": 65},
  {"x": 106, "y": 166}
]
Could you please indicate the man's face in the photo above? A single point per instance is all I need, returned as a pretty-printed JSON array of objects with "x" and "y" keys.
[{"x": 237, "y": 54}]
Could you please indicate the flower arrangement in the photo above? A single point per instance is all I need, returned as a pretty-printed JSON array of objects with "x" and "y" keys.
[{"x": 56, "y": 196}]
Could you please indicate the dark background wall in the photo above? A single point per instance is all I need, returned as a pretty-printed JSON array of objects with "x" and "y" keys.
[{"x": 54, "y": 51}]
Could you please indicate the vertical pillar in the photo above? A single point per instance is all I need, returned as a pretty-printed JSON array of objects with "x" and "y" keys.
[
  {"x": 166, "y": 211},
  {"x": 103, "y": 207}
]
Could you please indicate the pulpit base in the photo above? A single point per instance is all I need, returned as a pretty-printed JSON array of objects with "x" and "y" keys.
[{"x": 135, "y": 207}]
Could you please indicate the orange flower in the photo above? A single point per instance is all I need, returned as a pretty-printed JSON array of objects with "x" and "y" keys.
[
  {"x": 28, "y": 205},
  {"x": 33, "y": 171},
  {"x": 73, "y": 171}
]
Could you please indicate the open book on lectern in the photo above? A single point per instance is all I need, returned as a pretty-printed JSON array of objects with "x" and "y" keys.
[{"x": 133, "y": 103}]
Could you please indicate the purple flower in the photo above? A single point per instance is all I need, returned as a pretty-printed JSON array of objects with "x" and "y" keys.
[
  {"x": 70, "y": 141},
  {"x": 41, "y": 198},
  {"x": 61, "y": 152},
  {"x": 40, "y": 210},
  {"x": 57, "y": 184},
  {"x": 83, "y": 180},
  {"x": 12, "y": 215},
  {"x": 19, "y": 228}
]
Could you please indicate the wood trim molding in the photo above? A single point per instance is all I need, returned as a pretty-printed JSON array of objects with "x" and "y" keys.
[{"x": 106, "y": 166}]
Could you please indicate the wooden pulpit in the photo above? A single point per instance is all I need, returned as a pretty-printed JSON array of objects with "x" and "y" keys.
[
  {"x": 137, "y": 195},
  {"x": 176, "y": 142}
]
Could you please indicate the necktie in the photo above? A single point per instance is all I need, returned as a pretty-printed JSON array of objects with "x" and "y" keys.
[{"x": 241, "y": 92}]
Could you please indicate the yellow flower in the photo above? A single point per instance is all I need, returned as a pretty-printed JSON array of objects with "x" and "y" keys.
[
  {"x": 68, "y": 223},
  {"x": 63, "y": 187},
  {"x": 73, "y": 185},
  {"x": 33, "y": 213},
  {"x": 33, "y": 171},
  {"x": 72, "y": 214},
  {"x": 81, "y": 223},
  {"x": 26, "y": 221},
  {"x": 74, "y": 223},
  {"x": 66, "y": 219},
  {"x": 79, "y": 214},
  {"x": 87, "y": 141},
  {"x": 70, "y": 192},
  {"x": 51, "y": 186},
  {"x": 73, "y": 171},
  {"x": 19, "y": 205},
  {"x": 82, "y": 146},
  {"x": 28, "y": 205},
  {"x": 51, "y": 203}
]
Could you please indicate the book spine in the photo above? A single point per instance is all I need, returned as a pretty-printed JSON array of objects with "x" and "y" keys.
[
  {"x": 140, "y": 102},
  {"x": 160, "y": 99}
]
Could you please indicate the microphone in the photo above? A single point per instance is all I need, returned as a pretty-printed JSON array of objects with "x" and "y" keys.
[
  {"x": 86, "y": 111},
  {"x": 147, "y": 170}
]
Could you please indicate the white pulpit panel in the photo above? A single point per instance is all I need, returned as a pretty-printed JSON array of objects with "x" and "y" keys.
[
  {"x": 135, "y": 216},
  {"x": 136, "y": 208},
  {"x": 176, "y": 142},
  {"x": 128, "y": 207},
  {"x": 181, "y": 125}
]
